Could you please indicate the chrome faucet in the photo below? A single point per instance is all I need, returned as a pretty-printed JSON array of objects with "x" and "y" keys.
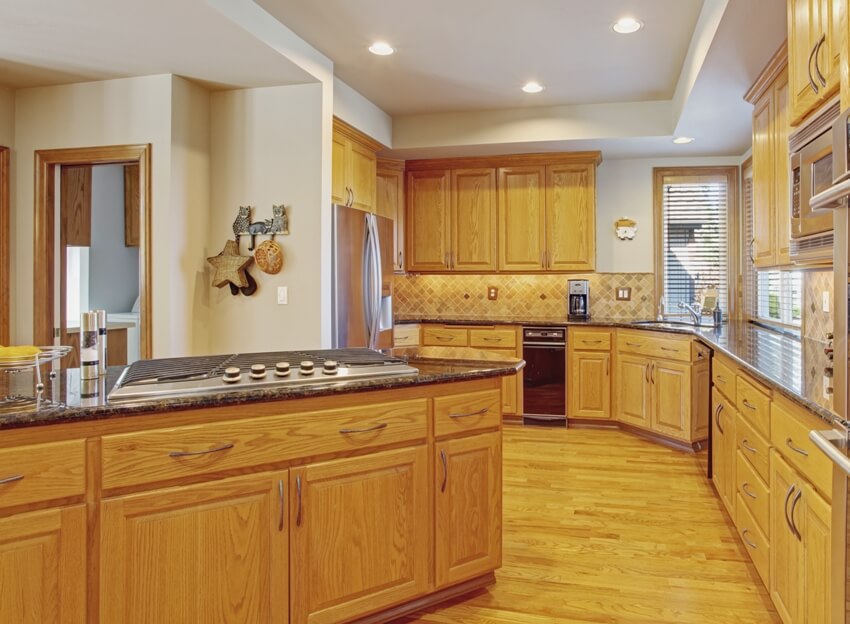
[{"x": 695, "y": 310}]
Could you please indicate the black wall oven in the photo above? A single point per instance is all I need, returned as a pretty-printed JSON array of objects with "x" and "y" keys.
[{"x": 544, "y": 383}]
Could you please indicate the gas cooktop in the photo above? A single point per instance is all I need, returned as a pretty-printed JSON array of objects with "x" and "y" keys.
[{"x": 241, "y": 372}]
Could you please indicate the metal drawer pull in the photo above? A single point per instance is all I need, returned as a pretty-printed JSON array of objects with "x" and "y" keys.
[
  {"x": 492, "y": 339},
  {"x": 280, "y": 495},
  {"x": 669, "y": 349},
  {"x": 791, "y": 515},
  {"x": 635, "y": 344},
  {"x": 790, "y": 444},
  {"x": 377, "y": 427},
  {"x": 480, "y": 412},
  {"x": 445, "y": 470},
  {"x": 11, "y": 479},
  {"x": 746, "y": 491},
  {"x": 298, "y": 490},
  {"x": 721, "y": 379},
  {"x": 785, "y": 507},
  {"x": 217, "y": 449},
  {"x": 717, "y": 417},
  {"x": 592, "y": 341},
  {"x": 749, "y": 405},
  {"x": 746, "y": 444},
  {"x": 444, "y": 338},
  {"x": 748, "y": 542}
]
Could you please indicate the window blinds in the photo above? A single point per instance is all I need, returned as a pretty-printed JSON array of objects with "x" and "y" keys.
[{"x": 694, "y": 240}]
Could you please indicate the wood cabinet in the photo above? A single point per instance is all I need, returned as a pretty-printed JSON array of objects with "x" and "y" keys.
[
  {"x": 468, "y": 526},
  {"x": 389, "y": 203},
  {"x": 522, "y": 218},
  {"x": 428, "y": 220},
  {"x": 473, "y": 220},
  {"x": 360, "y": 534},
  {"x": 589, "y": 373},
  {"x": 632, "y": 397},
  {"x": 671, "y": 398},
  {"x": 723, "y": 450},
  {"x": 354, "y": 167},
  {"x": 571, "y": 217},
  {"x": 814, "y": 52},
  {"x": 215, "y": 552},
  {"x": 43, "y": 567}
]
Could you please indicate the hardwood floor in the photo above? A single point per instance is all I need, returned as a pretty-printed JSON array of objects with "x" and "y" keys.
[{"x": 603, "y": 527}]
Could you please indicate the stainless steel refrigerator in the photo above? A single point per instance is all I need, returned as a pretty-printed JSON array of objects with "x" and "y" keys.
[{"x": 362, "y": 279}]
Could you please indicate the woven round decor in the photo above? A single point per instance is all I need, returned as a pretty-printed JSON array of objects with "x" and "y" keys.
[{"x": 269, "y": 257}]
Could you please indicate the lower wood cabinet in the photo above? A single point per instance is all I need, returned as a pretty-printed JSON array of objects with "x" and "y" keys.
[
  {"x": 633, "y": 391},
  {"x": 215, "y": 552},
  {"x": 671, "y": 398},
  {"x": 359, "y": 534},
  {"x": 723, "y": 449},
  {"x": 43, "y": 567},
  {"x": 468, "y": 532},
  {"x": 589, "y": 385}
]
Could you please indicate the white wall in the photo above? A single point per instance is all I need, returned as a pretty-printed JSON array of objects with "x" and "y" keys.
[
  {"x": 266, "y": 147},
  {"x": 353, "y": 108},
  {"x": 624, "y": 189}
]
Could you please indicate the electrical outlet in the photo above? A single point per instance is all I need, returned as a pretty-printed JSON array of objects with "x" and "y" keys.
[
  {"x": 826, "y": 301},
  {"x": 492, "y": 293},
  {"x": 282, "y": 295},
  {"x": 624, "y": 293}
]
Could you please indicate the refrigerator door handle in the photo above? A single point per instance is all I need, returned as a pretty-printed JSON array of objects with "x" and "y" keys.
[
  {"x": 377, "y": 284},
  {"x": 367, "y": 278}
]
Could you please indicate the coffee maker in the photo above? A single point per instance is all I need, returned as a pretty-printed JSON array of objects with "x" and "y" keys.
[{"x": 579, "y": 300}]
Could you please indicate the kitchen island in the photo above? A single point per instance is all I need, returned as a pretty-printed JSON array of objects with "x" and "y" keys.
[{"x": 324, "y": 504}]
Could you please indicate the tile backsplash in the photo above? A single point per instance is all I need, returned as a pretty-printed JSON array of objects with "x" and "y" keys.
[
  {"x": 816, "y": 322},
  {"x": 520, "y": 295}
]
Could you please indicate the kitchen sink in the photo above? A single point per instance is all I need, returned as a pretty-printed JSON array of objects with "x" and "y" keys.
[{"x": 669, "y": 324}]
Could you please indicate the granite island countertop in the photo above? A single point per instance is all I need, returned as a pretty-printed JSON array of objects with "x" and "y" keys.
[
  {"x": 792, "y": 366},
  {"x": 68, "y": 399}
]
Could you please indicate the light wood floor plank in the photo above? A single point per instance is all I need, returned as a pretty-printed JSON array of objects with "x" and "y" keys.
[{"x": 601, "y": 527}]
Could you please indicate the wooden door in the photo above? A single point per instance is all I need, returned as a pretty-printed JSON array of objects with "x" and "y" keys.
[
  {"x": 360, "y": 532},
  {"x": 671, "y": 398},
  {"x": 43, "y": 567},
  {"x": 339, "y": 174},
  {"x": 389, "y": 202},
  {"x": 428, "y": 221},
  {"x": 474, "y": 217},
  {"x": 589, "y": 385},
  {"x": 522, "y": 223},
  {"x": 468, "y": 532},
  {"x": 804, "y": 32},
  {"x": 780, "y": 125},
  {"x": 570, "y": 218},
  {"x": 632, "y": 390},
  {"x": 362, "y": 171},
  {"x": 762, "y": 247},
  {"x": 215, "y": 552},
  {"x": 814, "y": 516},
  {"x": 786, "y": 571}
]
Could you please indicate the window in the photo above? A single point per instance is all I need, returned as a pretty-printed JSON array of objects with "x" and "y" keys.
[{"x": 693, "y": 205}]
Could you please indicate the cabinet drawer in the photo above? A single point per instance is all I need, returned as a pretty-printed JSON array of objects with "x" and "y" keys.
[
  {"x": 159, "y": 455},
  {"x": 406, "y": 335},
  {"x": 492, "y": 338},
  {"x": 755, "y": 542},
  {"x": 753, "y": 404},
  {"x": 753, "y": 447},
  {"x": 444, "y": 337},
  {"x": 754, "y": 492},
  {"x": 465, "y": 413},
  {"x": 589, "y": 340},
  {"x": 723, "y": 378},
  {"x": 789, "y": 433},
  {"x": 655, "y": 345},
  {"x": 42, "y": 472}
]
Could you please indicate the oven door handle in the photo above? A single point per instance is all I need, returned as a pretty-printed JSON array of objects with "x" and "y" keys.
[{"x": 553, "y": 345}]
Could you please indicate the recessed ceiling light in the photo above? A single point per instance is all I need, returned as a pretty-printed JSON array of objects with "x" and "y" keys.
[
  {"x": 627, "y": 25},
  {"x": 683, "y": 140},
  {"x": 381, "y": 48},
  {"x": 532, "y": 87}
]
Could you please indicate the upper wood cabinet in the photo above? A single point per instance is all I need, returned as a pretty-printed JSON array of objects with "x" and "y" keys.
[
  {"x": 354, "y": 167},
  {"x": 389, "y": 203},
  {"x": 814, "y": 51},
  {"x": 75, "y": 205},
  {"x": 473, "y": 220},
  {"x": 428, "y": 221},
  {"x": 522, "y": 224},
  {"x": 571, "y": 217}
]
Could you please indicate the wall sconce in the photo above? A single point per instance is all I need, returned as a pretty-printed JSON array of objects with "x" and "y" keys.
[{"x": 625, "y": 228}]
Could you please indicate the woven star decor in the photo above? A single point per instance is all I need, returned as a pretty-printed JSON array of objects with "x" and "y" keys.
[{"x": 230, "y": 266}]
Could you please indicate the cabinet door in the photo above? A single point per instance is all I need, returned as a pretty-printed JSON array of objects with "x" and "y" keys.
[
  {"x": 468, "y": 531},
  {"x": 786, "y": 571},
  {"x": 804, "y": 32},
  {"x": 428, "y": 234},
  {"x": 522, "y": 218},
  {"x": 339, "y": 175},
  {"x": 589, "y": 385},
  {"x": 360, "y": 535},
  {"x": 215, "y": 552},
  {"x": 814, "y": 515},
  {"x": 781, "y": 170},
  {"x": 723, "y": 451},
  {"x": 671, "y": 399},
  {"x": 43, "y": 567},
  {"x": 570, "y": 218},
  {"x": 764, "y": 226},
  {"x": 389, "y": 202},
  {"x": 473, "y": 220},
  {"x": 632, "y": 390},
  {"x": 362, "y": 174}
]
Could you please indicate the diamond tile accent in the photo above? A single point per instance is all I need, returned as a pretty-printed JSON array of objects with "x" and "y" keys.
[{"x": 816, "y": 322}]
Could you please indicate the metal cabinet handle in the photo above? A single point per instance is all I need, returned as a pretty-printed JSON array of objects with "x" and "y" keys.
[
  {"x": 749, "y": 405},
  {"x": 351, "y": 193},
  {"x": 298, "y": 490},
  {"x": 491, "y": 339},
  {"x": 635, "y": 344},
  {"x": 746, "y": 444},
  {"x": 717, "y": 417},
  {"x": 400, "y": 263},
  {"x": 748, "y": 542},
  {"x": 721, "y": 379},
  {"x": 280, "y": 496},
  {"x": 815, "y": 56},
  {"x": 791, "y": 514},
  {"x": 542, "y": 259},
  {"x": 646, "y": 373},
  {"x": 785, "y": 507},
  {"x": 652, "y": 372},
  {"x": 669, "y": 349},
  {"x": 445, "y": 470},
  {"x": 809, "y": 68},
  {"x": 752, "y": 254},
  {"x": 443, "y": 338},
  {"x": 480, "y": 412},
  {"x": 746, "y": 491},
  {"x": 790, "y": 444},
  {"x": 377, "y": 427},
  {"x": 607, "y": 365},
  {"x": 11, "y": 479},
  {"x": 592, "y": 341},
  {"x": 446, "y": 260},
  {"x": 217, "y": 449}
]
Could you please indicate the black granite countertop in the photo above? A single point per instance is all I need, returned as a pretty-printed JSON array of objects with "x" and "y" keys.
[
  {"x": 792, "y": 366},
  {"x": 67, "y": 399}
]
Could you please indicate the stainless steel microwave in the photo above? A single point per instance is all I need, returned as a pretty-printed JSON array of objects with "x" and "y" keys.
[
  {"x": 811, "y": 174},
  {"x": 828, "y": 161}
]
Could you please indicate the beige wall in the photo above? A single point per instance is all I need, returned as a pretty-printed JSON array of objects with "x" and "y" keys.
[
  {"x": 7, "y": 117},
  {"x": 266, "y": 147}
]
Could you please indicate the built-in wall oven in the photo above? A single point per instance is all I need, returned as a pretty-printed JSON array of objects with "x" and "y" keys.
[{"x": 544, "y": 383}]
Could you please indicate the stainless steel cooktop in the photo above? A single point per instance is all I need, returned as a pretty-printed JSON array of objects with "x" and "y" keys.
[{"x": 243, "y": 372}]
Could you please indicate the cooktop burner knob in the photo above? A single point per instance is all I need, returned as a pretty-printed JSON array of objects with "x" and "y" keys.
[
  {"x": 281, "y": 369},
  {"x": 331, "y": 367},
  {"x": 307, "y": 367},
  {"x": 232, "y": 375},
  {"x": 258, "y": 371}
]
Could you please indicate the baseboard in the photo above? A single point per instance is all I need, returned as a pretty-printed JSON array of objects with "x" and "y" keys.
[
  {"x": 652, "y": 436},
  {"x": 591, "y": 423}
]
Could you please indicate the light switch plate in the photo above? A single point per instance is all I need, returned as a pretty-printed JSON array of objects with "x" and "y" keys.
[
  {"x": 282, "y": 295},
  {"x": 624, "y": 293},
  {"x": 492, "y": 293},
  {"x": 826, "y": 301}
]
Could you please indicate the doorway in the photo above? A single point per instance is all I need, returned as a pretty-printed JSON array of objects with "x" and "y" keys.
[{"x": 92, "y": 214}]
